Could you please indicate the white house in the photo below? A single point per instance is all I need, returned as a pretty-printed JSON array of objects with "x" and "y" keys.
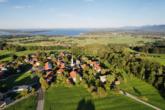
[
  {"x": 103, "y": 78},
  {"x": 21, "y": 88}
]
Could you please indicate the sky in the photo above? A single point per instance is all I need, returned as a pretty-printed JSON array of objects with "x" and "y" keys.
[{"x": 29, "y": 14}]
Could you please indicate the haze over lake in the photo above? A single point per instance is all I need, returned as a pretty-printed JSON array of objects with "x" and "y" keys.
[{"x": 67, "y": 32}]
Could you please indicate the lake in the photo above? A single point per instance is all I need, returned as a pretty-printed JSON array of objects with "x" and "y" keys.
[{"x": 67, "y": 32}]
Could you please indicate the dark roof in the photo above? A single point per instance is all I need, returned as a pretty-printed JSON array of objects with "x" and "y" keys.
[{"x": 2, "y": 102}]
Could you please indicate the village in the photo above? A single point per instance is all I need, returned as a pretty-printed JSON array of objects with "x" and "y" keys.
[{"x": 64, "y": 66}]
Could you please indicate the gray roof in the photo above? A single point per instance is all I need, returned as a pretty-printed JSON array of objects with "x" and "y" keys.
[
  {"x": 2, "y": 102},
  {"x": 21, "y": 87}
]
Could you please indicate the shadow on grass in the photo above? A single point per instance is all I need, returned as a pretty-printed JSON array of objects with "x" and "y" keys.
[
  {"x": 86, "y": 105},
  {"x": 137, "y": 91},
  {"x": 163, "y": 95}
]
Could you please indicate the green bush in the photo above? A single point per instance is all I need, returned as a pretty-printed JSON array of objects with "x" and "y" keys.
[
  {"x": 94, "y": 94},
  {"x": 144, "y": 98},
  {"x": 33, "y": 90},
  {"x": 116, "y": 89},
  {"x": 89, "y": 90},
  {"x": 101, "y": 92},
  {"x": 85, "y": 85}
]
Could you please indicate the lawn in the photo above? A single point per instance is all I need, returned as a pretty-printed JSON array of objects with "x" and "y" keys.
[
  {"x": 139, "y": 88},
  {"x": 160, "y": 60},
  {"x": 77, "y": 98},
  {"x": 17, "y": 80},
  {"x": 29, "y": 103}
]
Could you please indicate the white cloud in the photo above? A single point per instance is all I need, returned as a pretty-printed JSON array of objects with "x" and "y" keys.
[
  {"x": 3, "y": 0},
  {"x": 18, "y": 7},
  {"x": 88, "y": 0},
  {"x": 68, "y": 15}
]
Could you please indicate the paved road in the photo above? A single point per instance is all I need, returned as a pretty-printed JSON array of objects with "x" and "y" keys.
[
  {"x": 135, "y": 98},
  {"x": 40, "y": 91}
]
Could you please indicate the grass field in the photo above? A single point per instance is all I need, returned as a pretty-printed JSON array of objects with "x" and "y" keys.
[
  {"x": 139, "y": 88},
  {"x": 21, "y": 53},
  {"x": 160, "y": 60},
  {"x": 77, "y": 98},
  {"x": 27, "y": 104},
  {"x": 18, "y": 80}
]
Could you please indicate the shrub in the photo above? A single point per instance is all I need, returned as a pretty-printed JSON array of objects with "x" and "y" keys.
[
  {"x": 89, "y": 90},
  {"x": 33, "y": 90},
  {"x": 83, "y": 81},
  {"x": 69, "y": 84},
  {"x": 93, "y": 88},
  {"x": 94, "y": 94},
  {"x": 144, "y": 98},
  {"x": 116, "y": 89},
  {"x": 24, "y": 92},
  {"x": 101, "y": 92},
  {"x": 85, "y": 85}
]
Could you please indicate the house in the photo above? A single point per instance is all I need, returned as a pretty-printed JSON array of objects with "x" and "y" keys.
[
  {"x": 2, "y": 103},
  {"x": 2, "y": 65},
  {"x": 60, "y": 71},
  {"x": 117, "y": 82},
  {"x": 83, "y": 66},
  {"x": 69, "y": 80},
  {"x": 49, "y": 78},
  {"x": 38, "y": 63},
  {"x": 61, "y": 54},
  {"x": 95, "y": 63},
  {"x": 84, "y": 58},
  {"x": 77, "y": 62},
  {"x": 48, "y": 65},
  {"x": 42, "y": 54},
  {"x": 50, "y": 73},
  {"x": 33, "y": 56},
  {"x": 73, "y": 74},
  {"x": 2, "y": 96},
  {"x": 40, "y": 69},
  {"x": 138, "y": 55},
  {"x": 59, "y": 62},
  {"x": 31, "y": 62},
  {"x": 2, "y": 72},
  {"x": 50, "y": 57},
  {"x": 103, "y": 78},
  {"x": 4, "y": 69},
  {"x": 98, "y": 68},
  {"x": 25, "y": 56},
  {"x": 26, "y": 60},
  {"x": 35, "y": 59},
  {"x": 20, "y": 88}
]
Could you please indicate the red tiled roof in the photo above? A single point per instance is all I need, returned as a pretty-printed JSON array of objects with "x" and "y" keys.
[
  {"x": 25, "y": 56},
  {"x": 73, "y": 74},
  {"x": 83, "y": 66},
  {"x": 2, "y": 64},
  {"x": 50, "y": 73},
  {"x": 47, "y": 65},
  {"x": 83, "y": 58},
  {"x": 60, "y": 70},
  {"x": 98, "y": 67},
  {"x": 117, "y": 82}
]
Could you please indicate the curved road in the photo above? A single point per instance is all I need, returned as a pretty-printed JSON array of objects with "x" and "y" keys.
[
  {"x": 135, "y": 98},
  {"x": 40, "y": 92}
]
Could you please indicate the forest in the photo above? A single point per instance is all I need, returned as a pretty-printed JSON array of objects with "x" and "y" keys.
[
  {"x": 17, "y": 48},
  {"x": 156, "y": 47},
  {"x": 149, "y": 71}
]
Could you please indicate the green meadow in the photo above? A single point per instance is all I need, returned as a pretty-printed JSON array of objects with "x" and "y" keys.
[
  {"x": 29, "y": 103},
  {"x": 77, "y": 98},
  {"x": 17, "y": 80}
]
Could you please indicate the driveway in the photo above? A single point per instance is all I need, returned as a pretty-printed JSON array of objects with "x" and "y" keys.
[{"x": 135, "y": 98}]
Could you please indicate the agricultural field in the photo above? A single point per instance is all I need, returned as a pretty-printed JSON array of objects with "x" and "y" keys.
[
  {"x": 88, "y": 39},
  {"x": 29, "y": 103},
  {"x": 77, "y": 98},
  {"x": 140, "y": 88},
  {"x": 17, "y": 80}
]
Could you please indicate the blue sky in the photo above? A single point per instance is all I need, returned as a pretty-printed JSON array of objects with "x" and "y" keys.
[{"x": 18, "y": 14}]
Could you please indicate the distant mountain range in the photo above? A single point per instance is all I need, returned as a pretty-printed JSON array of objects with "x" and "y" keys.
[{"x": 147, "y": 28}]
